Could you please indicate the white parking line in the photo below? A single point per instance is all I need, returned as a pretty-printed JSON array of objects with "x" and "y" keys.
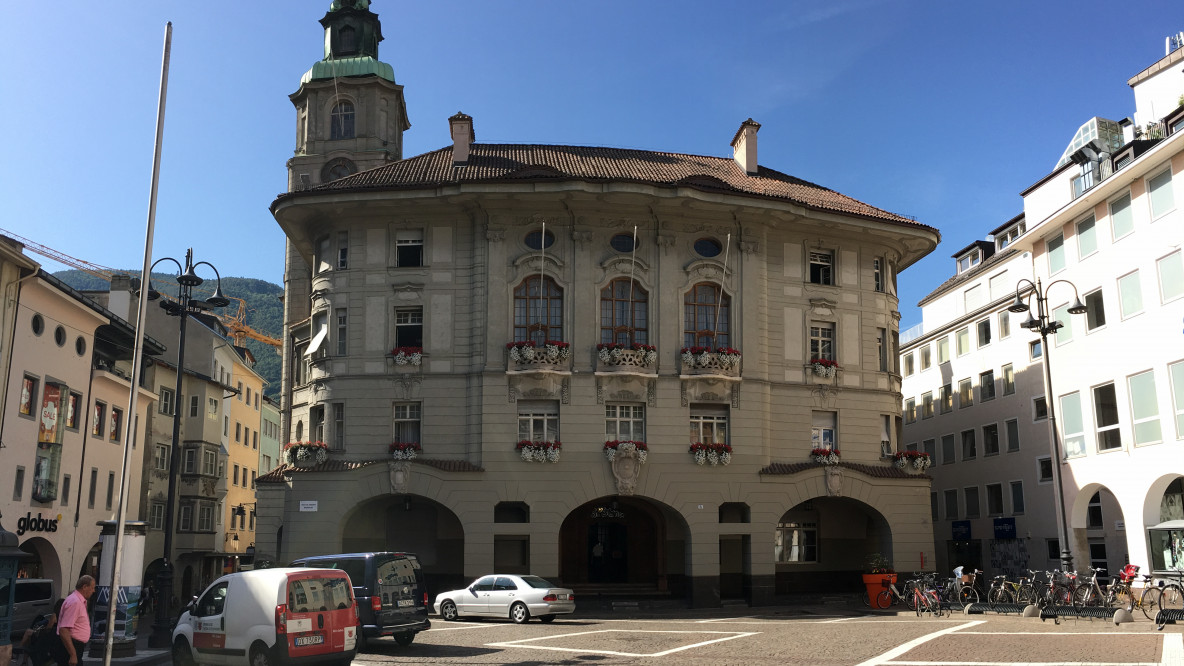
[
  {"x": 473, "y": 625},
  {"x": 888, "y": 656},
  {"x": 521, "y": 643},
  {"x": 1173, "y": 649}
]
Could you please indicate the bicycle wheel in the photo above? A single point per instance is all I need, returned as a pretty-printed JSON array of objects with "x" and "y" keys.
[
  {"x": 1171, "y": 598},
  {"x": 967, "y": 595},
  {"x": 934, "y": 603},
  {"x": 1149, "y": 602},
  {"x": 909, "y": 594},
  {"x": 1025, "y": 595},
  {"x": 884, "y": 599},
  {"x": 1061, "y": 596},
  {"x": 1119, "y": 595},
  {"x": 920, "y": 604},
  {"x": 998, "y": 596}
]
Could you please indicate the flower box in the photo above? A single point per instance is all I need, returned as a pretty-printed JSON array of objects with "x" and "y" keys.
[
  {"x": 705, "y": 360},
  {"x": 613, "y": 446},
  {"x": 405, "y": 450},
  {"x": 912, "y": 461},
  {"x": 825, "y": 456},
  {"x": 715, "y": 454},
  {"x": 539, "y": 451},
  {"x": 412, "y": 356},
  {"x": 625, "y": 357},
  {"x": 528, "y": 354},
  {"x": 824, "y": 367},
  {"x": 306, "y": 454}
]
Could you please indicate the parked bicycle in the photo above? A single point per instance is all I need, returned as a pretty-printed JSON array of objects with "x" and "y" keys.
[
  {"x": 1090, "y": 594},
  {"x": 905, "y": 595},
  {"x": 1171, "y": 598},
  {"x": 925, "y": 596},
  {"x": 1003, "y": 591}
]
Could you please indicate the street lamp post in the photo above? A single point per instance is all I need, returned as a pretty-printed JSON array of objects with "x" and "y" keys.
[
  {"x": 185, "y": 304},
  {"x": 1041, "y": 324}
]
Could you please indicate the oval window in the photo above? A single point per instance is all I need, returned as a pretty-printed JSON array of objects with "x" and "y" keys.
[
  {"x": 536, "y": 240},
  {"x": 708, "y": 247},
  {"x": 38, "y": 324},
  {"x": 622, "y": 242},
  {"x": 59, "y": 335},
  {"x": 80, "y": 345}
]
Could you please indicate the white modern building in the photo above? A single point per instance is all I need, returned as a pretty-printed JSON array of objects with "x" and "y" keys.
[{"x": 1104, "y": 226}]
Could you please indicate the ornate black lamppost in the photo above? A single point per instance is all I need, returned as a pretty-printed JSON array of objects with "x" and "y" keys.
[
  {"x": 184, "y": 305},
  {"x": 1042, "y": 325}
]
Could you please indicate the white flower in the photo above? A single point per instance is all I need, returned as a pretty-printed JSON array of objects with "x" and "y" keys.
[
  {"x": 416, "y": 358},
  {"x": 725, "y": 458},
  {"x": 688, "y": 359},
  {"x": 514, "y": 355},
  {"x": 713, "y": 457},
  {"x": 322, "y": 455},
  {"x": 703, "y": 359},
  {"x": 922, "y": 462},
  {"x": 604, "y": 355},
  {"x": 552, "y": 353},
  {"x": 700, "y": 457},
  {"x": 552, "y": 455},
  {"x": 650, "y": 357},
  {"x": 527, "y": 353},
  {"x": 616, "y": 354},
  {"x": 400, "y": 359},
  {"x": 610, "y": 454},
  {"x": 902, "y": 463},
  {"x": 564, "y": 353},
  {"x": 527, "y": 453},
  {"x": 642, "y": 455}
]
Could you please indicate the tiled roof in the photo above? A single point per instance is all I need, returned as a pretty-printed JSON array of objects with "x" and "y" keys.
[
  {"x": 277, "y": 475},
  {"x": 492, "y": 163},
  {"x": 877, "y": 471},
  {"x": 987, "y": 264}
]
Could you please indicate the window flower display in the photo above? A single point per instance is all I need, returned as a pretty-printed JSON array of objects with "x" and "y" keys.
[
  {"x": 551, "y": 351},
  {"x": 824, "y": 367},
  {"x": 825, "y": 456},
  {"x": 716, "y": 454},
  {"x": 618, "y": 353},
  {"x": 918, "y": 460},
  {"x": 724, "y": 358},
  {"x": 405, "y": 450},
  {"x": 407, "y": 355},
  {"x": 611, "y": 448},
  {"x": 305, "y": 454},
  {"x": 539, "y": 451}
]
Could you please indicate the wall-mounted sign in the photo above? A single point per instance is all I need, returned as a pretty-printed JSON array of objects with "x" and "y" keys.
[
  {"x": 308, "y": 505},
  {"x": 37, "y": 524},
  {"x": 1005, "y": 528},
  {"x": 50, "y": 423},
  {"x": 960, "y": 530}
]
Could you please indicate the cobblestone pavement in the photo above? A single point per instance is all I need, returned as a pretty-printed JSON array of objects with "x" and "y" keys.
[{"x": 790, "y": 636}]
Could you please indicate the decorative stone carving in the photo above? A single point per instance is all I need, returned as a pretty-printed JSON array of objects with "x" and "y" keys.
[
  {"x": 665, "y": 241},
  {"x": 581, "y": 237},
  {"x": 495, "y": 235},
  {"x": 651, "y": 393},
  {"x": 407, "y": 385},
  {"x": 626, "y": 468},
  {"x": 749, "y": 247},
  {"x": 825, "y": 396},
  {"x": 834, "y": 480},
  {"x": 400, "y": 473},
  {"x": 822, "y": 306},
  {"x": 407, "y": 291}
]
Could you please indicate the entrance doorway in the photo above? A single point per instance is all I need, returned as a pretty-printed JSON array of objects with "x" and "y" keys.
[
  {"x": 625, "y": 544},
  {"x": 608, "y": 557}
]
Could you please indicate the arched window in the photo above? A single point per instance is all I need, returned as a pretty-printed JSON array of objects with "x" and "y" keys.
[
  {"x": 623, "y": 319},
  {"x": 347, "y": 43},
  {"x": 701, "y": 326},
  {"x": 341, "y": 121},
  {"x": 538, "y": 315}
]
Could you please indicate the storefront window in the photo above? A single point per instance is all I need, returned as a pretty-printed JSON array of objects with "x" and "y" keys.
[{"x": 1167, "y": 537}]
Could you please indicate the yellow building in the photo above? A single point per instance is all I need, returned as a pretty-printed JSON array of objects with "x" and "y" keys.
[{"x": 242, "y": 465}]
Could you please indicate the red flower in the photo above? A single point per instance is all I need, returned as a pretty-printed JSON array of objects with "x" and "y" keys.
[
  {"x": 406, "y": 351},
  {"x": 318, "y": 445},
  {"x": 404, "y": 446},
  {"x": 823, "y": 452},
  {"x": 825, "y": 362}
]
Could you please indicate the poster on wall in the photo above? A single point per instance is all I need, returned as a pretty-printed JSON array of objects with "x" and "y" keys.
[{"x": 50, "y": 424}]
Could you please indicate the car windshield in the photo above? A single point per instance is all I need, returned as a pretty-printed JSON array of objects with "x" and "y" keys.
[
  {"x": 318, "y": 594},
  {"x": 535, "y": 581}
]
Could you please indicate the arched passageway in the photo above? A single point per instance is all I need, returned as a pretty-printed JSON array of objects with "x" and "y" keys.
[
  {"x": 412, "y": 524},
  {"x": 824, "y": 544}
]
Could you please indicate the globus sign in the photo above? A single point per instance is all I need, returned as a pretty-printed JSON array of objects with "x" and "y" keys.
[{"x": 38, "y": 524}]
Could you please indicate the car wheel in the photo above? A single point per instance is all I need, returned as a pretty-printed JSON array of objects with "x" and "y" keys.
[
  {"x": 546, "y": 618},
  {"x": 404, "y": 639},
  {"x": 182, "y": 656},
  {"x": 261, "y": 656},
  {"x": 519, "y": 614},
  {"x": 448, "y": 611},
  {"x": 362, "y": 643}
]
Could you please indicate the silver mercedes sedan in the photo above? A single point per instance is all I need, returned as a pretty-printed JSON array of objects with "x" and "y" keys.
[{"x": 503, "y": 595}]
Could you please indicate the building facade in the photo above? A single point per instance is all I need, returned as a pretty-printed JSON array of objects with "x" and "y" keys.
[{"x": 587, "y": 363}]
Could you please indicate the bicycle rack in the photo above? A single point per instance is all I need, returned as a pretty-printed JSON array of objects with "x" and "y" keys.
[
  {"x": 1170, "y": 615},
  {"x": 980, "y": 608},
  {"x": 1057, "y": 612}
]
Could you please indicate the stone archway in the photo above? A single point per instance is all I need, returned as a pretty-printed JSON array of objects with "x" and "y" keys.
[
  {"x": 44, "y": 562},
  {"x": 626, "y": 543},
  {"x": 412, "y": 524},
  {"x": 824, "y": 544},
  {"x": 1097, "y": 529}
]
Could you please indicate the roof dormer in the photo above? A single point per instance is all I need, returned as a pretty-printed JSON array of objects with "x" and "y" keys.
[
  {"x": 1009, "y": 231},
  {"x": 972, "y": 255}
]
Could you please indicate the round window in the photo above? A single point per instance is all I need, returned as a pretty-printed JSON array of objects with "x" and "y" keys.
[
  {"x": 537, "y": 240},
  {"x": 80, "y": 345},
  {"x": 622, "y": 242},
  {"x": 38, "y": 324},
  {"x": 59, "y": 335},
  {"x": 708, "y": 247}
]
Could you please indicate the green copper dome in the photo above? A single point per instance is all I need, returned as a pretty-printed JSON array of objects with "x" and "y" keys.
[
  {"x": 356, "y": 4},
  {"x": 361, "y": 66}
]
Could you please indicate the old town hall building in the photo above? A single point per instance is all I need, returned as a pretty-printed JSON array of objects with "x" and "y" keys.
[{"x": 592, "y": 364}]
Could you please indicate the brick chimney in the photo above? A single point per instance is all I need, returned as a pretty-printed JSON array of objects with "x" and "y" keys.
[
  {"x": 744, "y": 146},
  {"x": 461, "y": 127}
]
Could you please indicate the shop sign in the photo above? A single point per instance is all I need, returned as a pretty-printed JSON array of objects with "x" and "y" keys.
[
  {"x": 1005, "y": 528},
  {"x": 308, "y": 505},
  {"x": 38, "y": 524},
  {"x": 960, "y": 530}
]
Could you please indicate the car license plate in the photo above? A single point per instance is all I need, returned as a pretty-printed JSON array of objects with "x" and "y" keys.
[
  {"x": 315, "y": 639},
  {"x": 403, "y": 603}
]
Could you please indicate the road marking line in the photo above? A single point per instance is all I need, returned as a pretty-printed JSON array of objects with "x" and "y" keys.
[
  {"x": 841, "y": 619},
  {"x": 520, "y": 643},
  {"x": 888, "y": 656},
  {"x": 1173, "y": 649},
  {"x": 1023, "y": 663},
  {"x": 471, "y": 626}
]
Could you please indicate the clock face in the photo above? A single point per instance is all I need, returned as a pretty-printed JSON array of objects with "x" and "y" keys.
[{"x": 338, "y": 168}]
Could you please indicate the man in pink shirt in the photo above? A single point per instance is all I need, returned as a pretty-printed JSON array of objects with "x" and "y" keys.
[{"x": 74, "y": 623}]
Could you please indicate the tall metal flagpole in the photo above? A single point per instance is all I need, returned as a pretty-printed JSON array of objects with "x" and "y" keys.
[
  {"x": 542, "y": 267},
  {"x": 632, "y": 266},
  {"x": 720, "y": 302},
  {"x": 130, "y": 428}
]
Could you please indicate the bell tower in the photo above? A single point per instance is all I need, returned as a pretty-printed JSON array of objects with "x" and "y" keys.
[{"x": 350, "y": 113}]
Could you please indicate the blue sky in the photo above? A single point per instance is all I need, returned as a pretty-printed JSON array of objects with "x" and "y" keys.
[{"x": 943, "y": 111}]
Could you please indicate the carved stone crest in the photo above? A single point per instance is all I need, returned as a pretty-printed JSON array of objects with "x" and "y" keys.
[
  {"x": 626, "y": 468},
  {"x": 400, "y": 471},
  {"x": 834, "y": 480}
]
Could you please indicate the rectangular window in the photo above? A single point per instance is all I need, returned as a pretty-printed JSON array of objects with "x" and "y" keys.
[
  {"x": 926, "y": 361},
  {"x": 1176, "y": 374},
  {"x": 709, "y": 424},
  {"x": 194, "y": 403},
  {"x": 986, "y": 386},
  {"x": 908, "y": 364},
  {"x": 927, "y": 405},
  {"x": 963, "y": 341},
  {"x": 1044, "y": 469},
  {"x": 166, "y": 400},
  {"x": 882, "y": 348},
  {"x": 969, "y": 447},
  {"x": 18, "y": 487},
  {"x": 73, "y": 410},
  {"x": 910, "y": 410},
  {"x": 998, "y": 285},
  {"x": 322, "y": 257},
  {"x": 1035, "y": 350},
  {"x": 189, "y": 461},
  {"x": 971, "y": 502},
  {"x": 984, "y": 333},
  {"x": 316, "y": 423},
  {"x": 968, "y": 261},
  {"x": 205, "y": 518},
  {"x": 28, "y": 395},
  {"x": 1072, "y": 425},
  {"x": 1130, "y": 295},
  {"x": 246, "y": 436},
  {"x": 156, "y": 516},
  {"x": 238, "y": 431},
  {"x": 1106, "y": 417},
  {"x": 342, "y": 250},
  {"x": 1171, "y": 277},
  {"x": 110, "y": 490},
  {"x": 94, "y": 488},
  {"x": 1013, "y": 434},
  {"x": 930, "y": 446},
  {"x": 255, "y": 440},
  {"x": 1160, "y": 188},
  {"x": 99, "y": 415},
  {"x": 342, "y": 337},
  {"x": 822, "y": 267},
  {"x": 160, "y": 457},
  {"x": 933, "y": 506},
  {"x": 878, "y": 274},
  {"x": 1065, "y": 332},
  {"x": 209, "y": 462},
  {"x": 972, "y": 298},
  {"x": 409, "y": 327},
  {"x": 1095, "y": 314},
  {"x": 796, "y": 542},
  {"x": 1008, "y": 380},
  {"x": 1056, "y": 253},
  {"x": 186, "y": 522},
  {"x": 116, "y": 423},
  {"x": 822, "y": 430},
  {"x": 1039, "y": 409},
  {"x": 538, "y": 421},
  {"x": 235, "y": 474},
  {"x": 624, "y": 422},
  {"x": 1122, "y": 222},
  {"x": 947, "y": 449},
  {"x": 1004, "y": 325},
  {"x": 1017, "y": 497},
  {"x": 338, "y": 426},
  {"x": 965, "y": 393},
  {"x": 943, "y": 350},
  {"x": 822, "y": 340},
  {"x": 409, "y": 248},
  {"x": 1087, "y": 242},
  {"x": 991, "y": 439},
  {"x": 239, "y": 395},
  {"x": 1144, "y": 408},
  {"x": 995, "y": 499},
  {"x": 65, "y": 496},
  {"x": 951, "y": 504},
  {"x": 947, "y": 399}
]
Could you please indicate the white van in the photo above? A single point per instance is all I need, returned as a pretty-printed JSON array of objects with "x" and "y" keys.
[{"x": 270, "y": 616}]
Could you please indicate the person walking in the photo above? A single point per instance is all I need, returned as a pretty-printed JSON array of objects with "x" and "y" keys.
[{"x": 74, "y": 623}]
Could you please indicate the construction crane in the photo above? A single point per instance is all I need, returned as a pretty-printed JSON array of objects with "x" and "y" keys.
[{"x": 235, "y": 323}]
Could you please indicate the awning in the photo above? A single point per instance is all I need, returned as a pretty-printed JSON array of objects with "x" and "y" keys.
[
  {"x": 1168, "y": 525},
  {"x": 318, "y": 340}
]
